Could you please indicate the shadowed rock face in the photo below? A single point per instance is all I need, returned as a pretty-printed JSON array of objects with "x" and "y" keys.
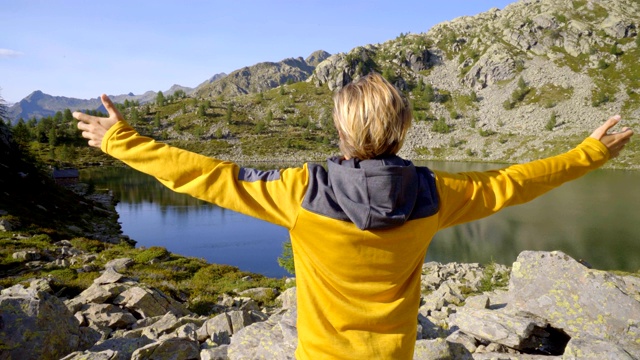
[{"x": 584, "y": 303}]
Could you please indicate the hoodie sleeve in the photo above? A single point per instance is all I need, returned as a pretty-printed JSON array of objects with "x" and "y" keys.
[
  {"x": 274, "y": 196},
  {"x": 470, "y": 196}
]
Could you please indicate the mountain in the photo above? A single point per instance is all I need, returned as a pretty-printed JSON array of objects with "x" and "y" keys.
[
  {"x": 507, "y": 85},
  {"x": 262, "y": 76},
  {"x": 511, "y": 84},
  {"x": 39, "y": 104},
  {"x": 212, "y": 79}
]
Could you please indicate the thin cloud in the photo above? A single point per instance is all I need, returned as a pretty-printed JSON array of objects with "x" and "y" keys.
[{"x": 8, "y": 53}]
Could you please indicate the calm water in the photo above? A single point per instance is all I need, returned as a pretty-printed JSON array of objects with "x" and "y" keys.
[{"x": 595, "y": 218}]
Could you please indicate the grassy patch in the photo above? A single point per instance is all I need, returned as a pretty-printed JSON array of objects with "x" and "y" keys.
[
  {"x": 549, "y": 95},
  {"x": 184, "y": 278},
  {"x": 88, "y": 245},
  {"x": 154, "y": 253},
  {"x": 493, "y": 279},
  {"x": 433, "y": 153}
]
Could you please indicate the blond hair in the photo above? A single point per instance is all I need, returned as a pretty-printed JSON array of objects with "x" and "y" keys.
[{"x": 372, "y": 118}]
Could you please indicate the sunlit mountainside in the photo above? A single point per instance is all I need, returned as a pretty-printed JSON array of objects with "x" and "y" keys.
[{"x": 505, "y": 85}]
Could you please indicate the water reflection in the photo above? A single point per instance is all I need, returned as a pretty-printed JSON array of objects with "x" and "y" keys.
[{"x": 593, "y": 218}]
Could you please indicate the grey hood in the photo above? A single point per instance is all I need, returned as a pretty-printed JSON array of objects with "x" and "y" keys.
[{"x": 378, "y": 193}]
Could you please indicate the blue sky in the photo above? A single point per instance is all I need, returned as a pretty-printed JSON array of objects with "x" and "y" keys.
[{"x": 84, "y": 48}]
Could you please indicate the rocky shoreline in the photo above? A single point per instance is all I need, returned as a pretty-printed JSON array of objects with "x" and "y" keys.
[{"x": 554, "y": 307}]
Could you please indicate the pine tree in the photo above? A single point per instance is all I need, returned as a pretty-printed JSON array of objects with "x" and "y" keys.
[
  {"x": 202, "y": 111},
  {"x": 429, "y": 93},
  {"x": 160, "y": 100},
  {"x": 269, "y": 117},
  {"x": 229, "y": 114},
  {"x": 21, "y": 133},
  {"x": 135, "y": 117},
  {"x": 3, "y": 110}
]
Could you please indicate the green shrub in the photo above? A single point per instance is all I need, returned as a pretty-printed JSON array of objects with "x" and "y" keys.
[
  {"x": 615, "y": 50},
  {"x": 508, "y": 105},
  {"x": 560, "y": 17},
  {"x": 493, "y": 280},
  {"x": 441, "y": 126},
  {"x": 259, "y": 127},
  {"x": 92, "y": 246},
  {"x": 599, "y": 98},
  {"x": 552, "y": 122},
  {"x": 152, "y": 253},
  {"x": 523, "y": 89},
  {"x": 486, "y": 133},
  {"x": 429, "y": 94},
  {"x": 63, "y": 275},
  {"x": 602, "y": 65}
]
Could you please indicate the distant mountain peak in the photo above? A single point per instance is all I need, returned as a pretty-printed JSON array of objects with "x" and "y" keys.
[
  {"x": 38, "y": 94},
  {"x": 317, "y": 57},
  {"x": 261, "y": 76}
]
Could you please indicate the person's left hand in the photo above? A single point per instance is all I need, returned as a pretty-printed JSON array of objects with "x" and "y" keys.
[{"x": 94, "y": 127}]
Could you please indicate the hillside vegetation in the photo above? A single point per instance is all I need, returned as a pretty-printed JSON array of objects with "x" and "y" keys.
[{"x": 508, "y": 85}]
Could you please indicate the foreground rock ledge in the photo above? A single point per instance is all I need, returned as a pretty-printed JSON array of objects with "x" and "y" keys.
[{"x": 554, "y": 308}]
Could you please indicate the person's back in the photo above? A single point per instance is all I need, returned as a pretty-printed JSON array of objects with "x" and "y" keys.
[{"x": 359, "y": 242}]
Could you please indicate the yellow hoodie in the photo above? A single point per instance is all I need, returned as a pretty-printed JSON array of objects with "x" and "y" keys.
[{"x": 359, "y": 229}]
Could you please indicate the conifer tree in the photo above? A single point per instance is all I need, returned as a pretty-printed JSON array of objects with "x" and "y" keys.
[
  {"x": 3, "y": 110},
  {"x": 160, "y": 100}
]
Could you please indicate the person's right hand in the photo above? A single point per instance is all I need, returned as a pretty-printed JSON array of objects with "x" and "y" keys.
[
  {"x": 94, "y": 127},
  {"x": 614, "y": 141}
]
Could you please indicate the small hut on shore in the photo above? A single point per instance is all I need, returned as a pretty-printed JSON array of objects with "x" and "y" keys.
[{"x": 66, "y": 177}]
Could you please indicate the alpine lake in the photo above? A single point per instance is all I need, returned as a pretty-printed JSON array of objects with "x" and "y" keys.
[{"x": 595, "y": 219}]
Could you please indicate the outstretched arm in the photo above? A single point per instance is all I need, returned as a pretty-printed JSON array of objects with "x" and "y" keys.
[
  {"x": 473, "y": 195},
  {"x": 272, "y": 196},
  {"x": 94, "y": 127}
]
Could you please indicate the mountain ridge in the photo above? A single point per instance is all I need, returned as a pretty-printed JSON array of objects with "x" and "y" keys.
[
  {"x": 39, "y": 104},
  {"x": 507, "y": 85},
  {"x": 267, "y": 75}
]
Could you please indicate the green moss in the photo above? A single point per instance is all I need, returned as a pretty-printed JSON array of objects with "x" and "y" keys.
[
  {"x": 84, "y": 244},
  {"x": 69, "y": 283},
  {"x": 117, "y": 251},
  {"x": 63, "y": 275},
  {"x": 150, "y": 254}
]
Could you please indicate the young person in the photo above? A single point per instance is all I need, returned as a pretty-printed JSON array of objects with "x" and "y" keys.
[{"x": 360, "y": 229}]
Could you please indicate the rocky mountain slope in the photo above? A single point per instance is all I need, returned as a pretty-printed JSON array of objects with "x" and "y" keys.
[
  {"x": 262, "y": 76},
  {"x": 509, "y": 84}
]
